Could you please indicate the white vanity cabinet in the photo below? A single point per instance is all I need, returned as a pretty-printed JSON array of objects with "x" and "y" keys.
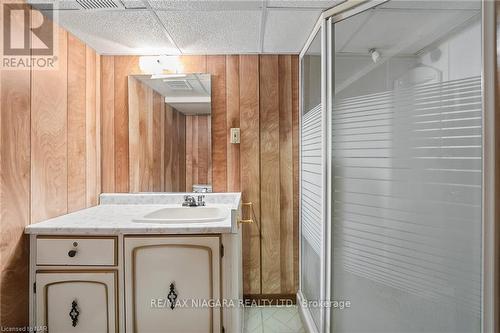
[
  {"x": 108, "y": 269},
  {"x": 174, "y": 283},
  {"x": 74, "y": 283},
  {"x": 76, "y": 301}
]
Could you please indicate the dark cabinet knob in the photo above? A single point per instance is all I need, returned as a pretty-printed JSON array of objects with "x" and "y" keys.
[{"x": 72, "y": 253}]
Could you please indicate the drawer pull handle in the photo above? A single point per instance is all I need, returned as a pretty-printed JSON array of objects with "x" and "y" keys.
[
  {"x": 72, "y": 253},
  {"x": 73, "y": 314},
  {"x": 172, "y": 296}
]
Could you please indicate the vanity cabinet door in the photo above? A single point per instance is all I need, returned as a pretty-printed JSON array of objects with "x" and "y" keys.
[
  {"x": 164, "y": 279},
  {"x": 76, "y": 302}
]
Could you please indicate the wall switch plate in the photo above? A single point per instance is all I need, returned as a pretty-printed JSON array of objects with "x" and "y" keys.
[{"x": 235, "y": 135}]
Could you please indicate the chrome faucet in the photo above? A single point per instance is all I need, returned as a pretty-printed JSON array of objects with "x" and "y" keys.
[{"x": 190, "y": 201}]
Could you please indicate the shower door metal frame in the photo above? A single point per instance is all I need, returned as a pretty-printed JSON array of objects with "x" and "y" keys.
[
  {"x": 490, "y": 280},
  {"x": 306, "y": 315}
]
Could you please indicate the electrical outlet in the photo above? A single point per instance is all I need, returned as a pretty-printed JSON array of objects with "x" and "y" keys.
[{"x": 235, "y": 135}]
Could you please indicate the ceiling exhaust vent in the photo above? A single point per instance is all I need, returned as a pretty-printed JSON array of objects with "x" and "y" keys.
[
  {"x": 98, "y": 4},
  {"x": 178, "y": 84}
]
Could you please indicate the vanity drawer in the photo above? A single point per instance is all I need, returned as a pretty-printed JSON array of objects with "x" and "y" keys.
[{"x": 77, "y": 251}]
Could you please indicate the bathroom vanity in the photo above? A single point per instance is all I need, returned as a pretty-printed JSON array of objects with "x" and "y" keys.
[{"x": 139, "y": 263}]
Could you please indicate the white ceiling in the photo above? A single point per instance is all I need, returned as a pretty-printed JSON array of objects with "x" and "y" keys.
[
  {"x": 403, "y": 31},
  {"x": 151, "y": 27}
]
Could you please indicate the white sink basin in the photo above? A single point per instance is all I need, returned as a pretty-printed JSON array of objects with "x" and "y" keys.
[{"x": 185, "y": 215}]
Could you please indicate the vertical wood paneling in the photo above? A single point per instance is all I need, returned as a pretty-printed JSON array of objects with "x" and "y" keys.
[
  {"x": 43, "y": 156},
  {"x": 286, "y": 174},
  {"x": 198, "y": 157},
  {"x": 14, "y": 195},
  {"x": 157, "y": 134},
  {"x": 157, "y": 137},
  {"x": 49, "y": 137},
  {"x": 169, "y": 145},
  {"x": 76, "y": 124},
  {"x": 270, "y": 174},
  {"x": 175, "y": 150},
  {"x": 123, "y": 67},
  {"x": 203, "y": 142},
  {"x": 295, "y": 159},
  {"x": 189, "y": 152},
  {"x": 250, "y": 169},
  {"x": 108, "y": 123},
  {"x": 216, "y": 66},
  {"x": 145, "y": 138},
  {"x": 210, "y": 163},
  {"x": 180, "y": 143},
  {"x": 194, "y": 63},
  {"x": 194, "y": 151},
  {"x": 259, "y": 94},
  {"x": 162, "y": 144},
  {"x": 97, "y": 89},
  {"x": 233, "y": 121},
  {"x": 91, "y": 128},
  {"x": 134, "y": 106},
  {"x": 182, "y": 153}
]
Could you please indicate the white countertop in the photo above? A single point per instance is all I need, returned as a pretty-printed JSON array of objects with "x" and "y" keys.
[{"x": 116, "y": 213}]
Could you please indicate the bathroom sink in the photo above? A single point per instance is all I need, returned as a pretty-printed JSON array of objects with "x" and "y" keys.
[{"x": 185, "y": 215}]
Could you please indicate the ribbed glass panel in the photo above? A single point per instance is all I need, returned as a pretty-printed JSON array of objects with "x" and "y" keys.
[
  {"x": 402, "y": 196},
  {"x": 312, "y": 148},
  {"x": 407, "y": 124},
  {"x": 407, "y": 200},
  {"x": 312, "y": 178}
]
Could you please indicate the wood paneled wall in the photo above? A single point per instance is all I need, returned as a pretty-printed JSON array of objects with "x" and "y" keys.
[
  {"x": 157, "y": 142},
  {"x": 259, "y": 94},
  {"x": 175, "y": 150},
  {"x": 198, "y": 150},
  {"x": 49, "y": 156}
]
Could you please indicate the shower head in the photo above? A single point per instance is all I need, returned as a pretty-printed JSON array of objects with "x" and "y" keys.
[{"x": 374, "y": 54}]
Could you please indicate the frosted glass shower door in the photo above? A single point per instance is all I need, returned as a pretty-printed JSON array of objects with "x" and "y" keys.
[
  {"x": 312, "y": 179},
  {"x": 407, "y": 168}
]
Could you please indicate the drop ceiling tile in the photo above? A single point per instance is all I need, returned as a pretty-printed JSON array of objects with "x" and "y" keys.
[
  {"x": 287, "y": 30},
  {"x": 205, "y": 4},
  {"x": 322, "y": 4},
  {"x": 118, "y": 32},
  {"x": 199, "y": 32}
]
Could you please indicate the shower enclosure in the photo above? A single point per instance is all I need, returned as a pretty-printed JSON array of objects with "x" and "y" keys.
[{"x": 394, "y": 168}]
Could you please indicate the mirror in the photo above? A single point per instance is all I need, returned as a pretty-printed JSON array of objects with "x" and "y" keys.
[{"x": 170, "y": 146}]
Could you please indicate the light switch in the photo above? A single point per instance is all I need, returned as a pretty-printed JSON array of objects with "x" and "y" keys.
[{"x": 235, "y": 135}]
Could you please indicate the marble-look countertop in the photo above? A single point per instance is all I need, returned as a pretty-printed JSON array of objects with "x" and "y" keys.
[{"x": 116, "y": 214}]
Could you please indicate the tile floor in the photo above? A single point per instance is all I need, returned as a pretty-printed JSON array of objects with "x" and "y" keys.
[{"x": 272, "y": 319}]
